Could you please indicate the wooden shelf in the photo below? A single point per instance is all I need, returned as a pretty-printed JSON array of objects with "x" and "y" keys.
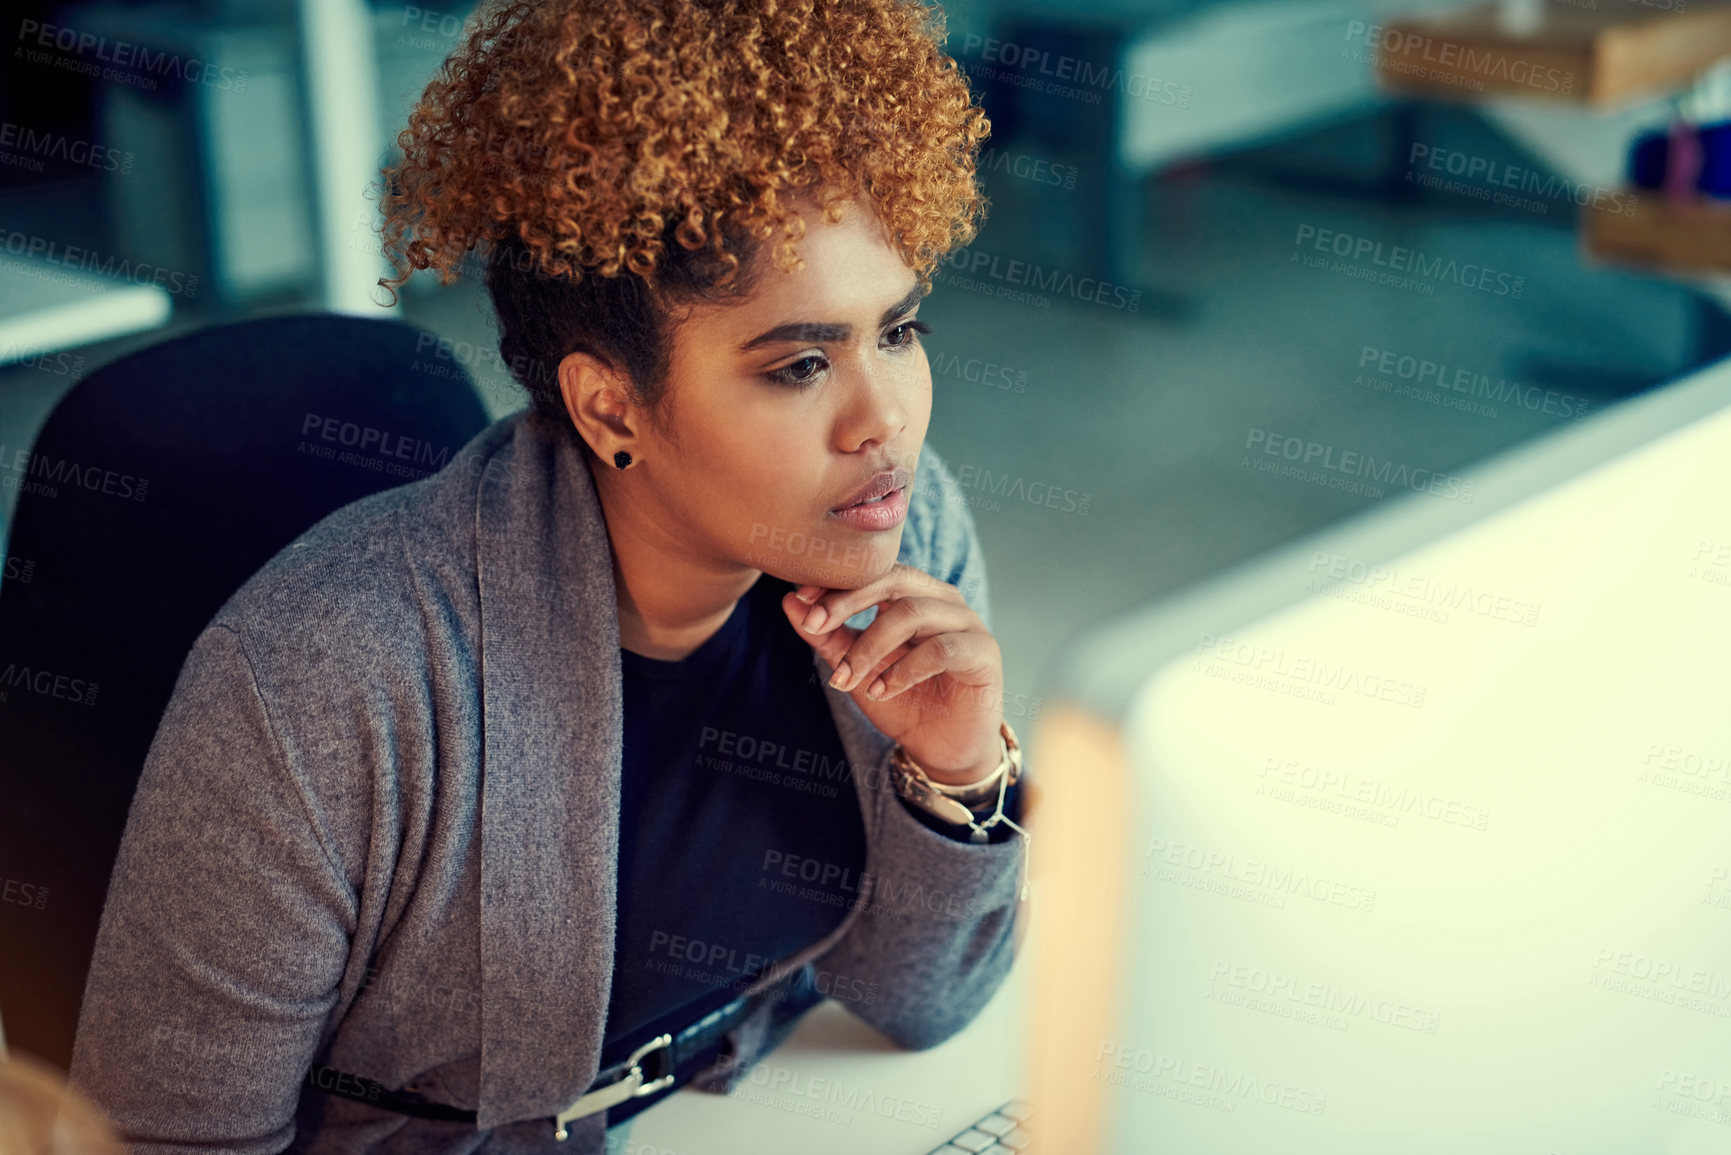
[
  {"x": 1690, "y": 237},
  {"x": 1595, "y": 58}
]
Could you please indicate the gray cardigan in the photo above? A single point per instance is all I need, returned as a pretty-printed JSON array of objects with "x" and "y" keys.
[{"x": 378, "y": 828}]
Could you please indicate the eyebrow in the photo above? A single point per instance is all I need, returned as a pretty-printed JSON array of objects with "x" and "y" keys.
[{"x": 816, "y": 332}]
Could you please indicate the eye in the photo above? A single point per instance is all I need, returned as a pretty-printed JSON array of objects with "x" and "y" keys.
[
  {"x": 903, "y": 334},
  {"x": 803, "y": 372}
]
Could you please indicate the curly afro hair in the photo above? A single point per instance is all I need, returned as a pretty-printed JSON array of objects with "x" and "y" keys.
[{"x": 616, "y": 158}]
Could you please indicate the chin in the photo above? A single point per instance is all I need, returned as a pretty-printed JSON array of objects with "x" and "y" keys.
[
  {"x": 833, "y": 561},
  {"x": 835, "y": 577}
]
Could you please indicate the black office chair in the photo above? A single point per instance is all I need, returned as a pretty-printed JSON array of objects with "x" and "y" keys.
[{"x": 158, "y": 485}]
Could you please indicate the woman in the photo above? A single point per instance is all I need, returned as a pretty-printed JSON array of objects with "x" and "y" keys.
[{"x": 499, "y": 805}]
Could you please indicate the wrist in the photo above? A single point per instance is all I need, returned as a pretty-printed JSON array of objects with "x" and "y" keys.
[
  {"x": 957, "y": 808},
  {"x": 981, "y": 767}
]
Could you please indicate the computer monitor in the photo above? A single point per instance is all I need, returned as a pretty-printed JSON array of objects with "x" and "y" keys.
[{"x": 1415, "y": 835}]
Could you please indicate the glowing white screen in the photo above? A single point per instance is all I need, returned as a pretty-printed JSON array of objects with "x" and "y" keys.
[{"x": 1438, "y": 859}]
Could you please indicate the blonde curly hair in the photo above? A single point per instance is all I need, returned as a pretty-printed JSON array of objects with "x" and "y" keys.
[{"x": 649, "y": 148}]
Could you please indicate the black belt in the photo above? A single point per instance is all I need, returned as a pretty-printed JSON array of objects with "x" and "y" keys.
[{"x": 616, "y": 1084}]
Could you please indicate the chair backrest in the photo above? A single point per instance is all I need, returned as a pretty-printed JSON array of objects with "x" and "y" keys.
[{"x": 158, "y": 485}]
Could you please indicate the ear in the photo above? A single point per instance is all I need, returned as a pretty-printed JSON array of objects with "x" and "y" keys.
[{"x": 598, "y": 399}]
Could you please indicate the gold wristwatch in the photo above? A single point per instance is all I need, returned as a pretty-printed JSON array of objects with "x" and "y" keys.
[{"x": 957, "y": 804}]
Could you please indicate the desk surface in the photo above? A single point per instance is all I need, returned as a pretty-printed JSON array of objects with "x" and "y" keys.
[
  {"x": 838, "y": 1087},
  {"x": 52, "y": 303}
]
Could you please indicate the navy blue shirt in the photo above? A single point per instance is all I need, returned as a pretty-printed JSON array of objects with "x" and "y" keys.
[{"x": 740, "y": 836}]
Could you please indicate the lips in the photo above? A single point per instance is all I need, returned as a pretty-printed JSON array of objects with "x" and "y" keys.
[{"x": 876, "y": 487}]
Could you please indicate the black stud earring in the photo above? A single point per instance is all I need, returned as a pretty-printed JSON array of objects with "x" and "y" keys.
[{"x": 621, "y": 459}]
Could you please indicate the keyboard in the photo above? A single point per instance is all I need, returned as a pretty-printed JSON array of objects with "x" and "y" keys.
[{"x": 1002, "y": 1132}]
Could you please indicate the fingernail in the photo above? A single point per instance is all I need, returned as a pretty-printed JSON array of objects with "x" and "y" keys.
[
  {"x": 806, "y": 594},
  {"x": 841, "y": 675},
  {"x": 814, "y": 620},
  {"x": 877, "y": 690}
]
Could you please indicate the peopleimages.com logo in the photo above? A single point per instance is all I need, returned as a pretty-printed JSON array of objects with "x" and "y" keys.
[
  {"x": 81, "y": 260},
  {"x": 1352, "y": 463},
  {"x": 41, "y": 474},
  {"x": 1408, "y": 51},
  {"x": 1036, "y": 279},
  {"x": 1424, "y": 373},
  {"x": 27, "y": 147},
  {"x": 1030, "y": 168},
  {"x": 1497, "y": 175},
  {"x": 128, "y": 63},
  {"x": 1399, "y": 259},
  {"x": 1067, "y": 76}
]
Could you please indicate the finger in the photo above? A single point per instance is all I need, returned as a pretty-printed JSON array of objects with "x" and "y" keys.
[
  {"x": 905, "y": 620},
  {"x": 969, "y": 659},
  {"x": 834, "y": 606},
  {"x": 860, "y": 680},
  {"x": 830, "y": 644}
]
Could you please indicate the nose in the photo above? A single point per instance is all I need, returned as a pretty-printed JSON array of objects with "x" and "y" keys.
[{"x": 879, "y": 404}]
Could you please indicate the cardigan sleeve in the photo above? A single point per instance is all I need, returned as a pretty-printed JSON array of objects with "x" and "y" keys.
[
  {"x": 225, "y": 931},
  {"x": 940, "y": 930},
  {"x": 937, "y": 935}
]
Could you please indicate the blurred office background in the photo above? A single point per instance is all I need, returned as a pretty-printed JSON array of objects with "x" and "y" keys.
[{"x": 1159, "y": 294}]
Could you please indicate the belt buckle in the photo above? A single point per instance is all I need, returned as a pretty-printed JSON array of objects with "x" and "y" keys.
[{"x": 631, "y": 1085}]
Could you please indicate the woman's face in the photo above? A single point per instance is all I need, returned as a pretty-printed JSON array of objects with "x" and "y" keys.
[{"x": 785, "y": 403}]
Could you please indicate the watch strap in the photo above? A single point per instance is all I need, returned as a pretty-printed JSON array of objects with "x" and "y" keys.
[{"x": 956, "y": 805}]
